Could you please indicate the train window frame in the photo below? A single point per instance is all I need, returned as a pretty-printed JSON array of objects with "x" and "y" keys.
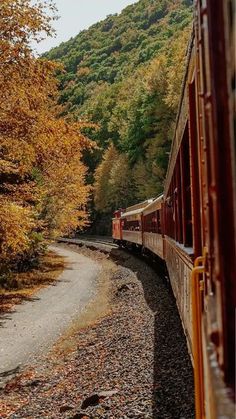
[{"x": 186, "y": 190}]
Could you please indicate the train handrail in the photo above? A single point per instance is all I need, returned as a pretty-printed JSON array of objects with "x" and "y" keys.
[{"x": 197, "y": 287}]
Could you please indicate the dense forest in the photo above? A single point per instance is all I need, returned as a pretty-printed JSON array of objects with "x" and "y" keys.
[{"x": 124, "y": 74}]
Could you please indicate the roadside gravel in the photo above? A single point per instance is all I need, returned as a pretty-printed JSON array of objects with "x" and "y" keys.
[{"x": 129, "y": 362}]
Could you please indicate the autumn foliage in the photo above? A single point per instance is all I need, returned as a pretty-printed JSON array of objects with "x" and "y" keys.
[
  {"x": 42, "y": 177},
  {"x": 114, "y": 186}
]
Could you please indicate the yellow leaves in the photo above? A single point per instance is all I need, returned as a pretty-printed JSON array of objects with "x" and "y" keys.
[
  {"x": 42, "y": 177},
  {"x": 156, "y": 76},
  {"x": 20, "y": 22},
  {"x": 17, "y": 156},
  {"x": 16, "y": 223},
  {"x": 176, "y": 68},
  {"x": 83, "y": 71},
  {"x": 102, "y": 176},
  {"x": 113, "y": 181}
]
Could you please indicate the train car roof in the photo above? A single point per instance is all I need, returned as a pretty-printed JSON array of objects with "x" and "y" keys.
[
  {"x": 153, "y": 206},
  {"x": 140, "y": 205},
  {"x": 132, "y": 213}
]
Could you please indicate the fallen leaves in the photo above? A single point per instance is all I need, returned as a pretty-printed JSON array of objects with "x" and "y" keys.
[{"x": 25, "y": 284}]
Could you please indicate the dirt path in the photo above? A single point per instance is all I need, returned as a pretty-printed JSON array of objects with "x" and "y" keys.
[{"x": 35, "y": 325}]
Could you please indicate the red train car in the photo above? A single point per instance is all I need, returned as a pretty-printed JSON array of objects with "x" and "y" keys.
[
  {"x": 153, "y": 227},
  {"x": 117, "y": 227},
  {"x": 127, "y": 225}
]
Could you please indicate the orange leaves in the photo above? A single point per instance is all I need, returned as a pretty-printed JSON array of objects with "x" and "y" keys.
[
  {"x": 20, "y": 22},
  {"x": 83, "y": 71},
  {"x": 114, "y": 184},
  {"x": 15, "y": 225},
  {"x": 64, "y": 179},
  {"x": 42, "y": 177}
]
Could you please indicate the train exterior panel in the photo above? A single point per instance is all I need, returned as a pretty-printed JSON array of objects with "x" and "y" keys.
[
  {"x": 179, "y": 265},
  {"x": 199, "y": 204},
  {"x": 177, "y": 210},
  {"x": 134, "y": 237},
  {"x": 154, "y": 243},
  {"x": 117, "y": 226},
  {"x": 152, "y": 227},
  {"x": 116, "y": 229},
  {"x": 132, "y": 224}
]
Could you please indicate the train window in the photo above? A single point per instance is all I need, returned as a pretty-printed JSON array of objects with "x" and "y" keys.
[
  {"x": 186, "y": 191},
  {"x": 178, "y": 188},
  {"x": 159, "y": 222},
  {"x": 152, "y": 222},
  {"x": 129, "y": 225},
  {"x": 196, "y": 191},
  {"x": 178, "y": 208},
  {"x": 170, "y": 213}
]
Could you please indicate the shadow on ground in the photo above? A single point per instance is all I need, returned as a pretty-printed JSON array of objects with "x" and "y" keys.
[
  {"x": 8, "y": 304},
  {"x": 173, "y": 389}
]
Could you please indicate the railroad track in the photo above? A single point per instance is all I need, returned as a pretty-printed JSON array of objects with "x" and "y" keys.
[{"x": 96, "y": 242}]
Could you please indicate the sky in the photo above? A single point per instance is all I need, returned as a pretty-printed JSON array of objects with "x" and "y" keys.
[{"x": 76, "y": 15}]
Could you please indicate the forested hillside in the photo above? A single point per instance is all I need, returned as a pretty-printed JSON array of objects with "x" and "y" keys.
[{"x": 124, "y": 74}]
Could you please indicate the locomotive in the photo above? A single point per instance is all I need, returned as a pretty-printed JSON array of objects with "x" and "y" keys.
[{"x": 192, "y": 225}]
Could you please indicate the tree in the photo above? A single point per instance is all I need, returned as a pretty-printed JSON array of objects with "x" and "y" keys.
[
  {"x": 121, "y": 182},
  {"x": 42, "y": 177},
  {"x": 102, "y": 186},
  {"x": 114, "y": 183},
  {"x": 176, "y": 68}
]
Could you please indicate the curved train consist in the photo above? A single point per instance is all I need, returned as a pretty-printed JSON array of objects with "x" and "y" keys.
[{"x": 192, "y": 226}]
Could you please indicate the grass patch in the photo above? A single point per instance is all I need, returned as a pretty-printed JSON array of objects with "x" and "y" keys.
[{"x": 22, "y": 286}]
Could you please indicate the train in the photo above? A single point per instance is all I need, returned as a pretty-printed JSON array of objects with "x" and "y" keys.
[{"x": 192, "y": 225}]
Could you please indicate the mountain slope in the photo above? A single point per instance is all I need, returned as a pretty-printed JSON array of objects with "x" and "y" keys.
[
  {"x": 112, "y": 49},
  {"x": 125, "y": 74}
]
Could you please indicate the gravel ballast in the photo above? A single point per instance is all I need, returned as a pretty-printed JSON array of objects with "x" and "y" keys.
[{"x": 129, "y": 362}]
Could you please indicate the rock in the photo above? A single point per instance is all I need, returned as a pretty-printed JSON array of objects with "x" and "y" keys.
[
  {"x": 34, "y": 383},
  {"x": 123, "y": 288},
  {"x": 92, "y": 400},
  {"x": 65, "y": 408},
  {"x": 81, "y": 415},
  {"x": 139, "y": 349},
  {"x": 95, "y": 398},
  {"x": 109, "y": 393}
]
